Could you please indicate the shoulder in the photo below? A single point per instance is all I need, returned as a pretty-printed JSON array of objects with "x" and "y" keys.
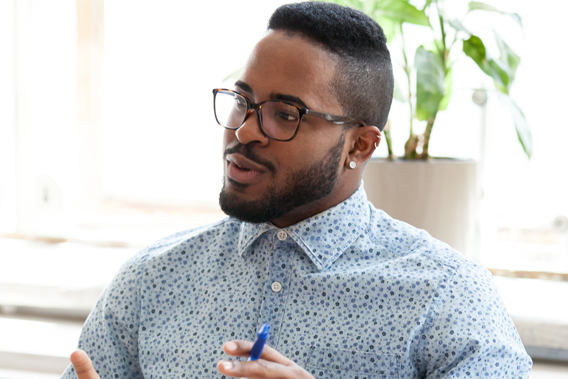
[
  {"x": 226, "y": 230},
  {"x": 189, "y": 241},
  {"x": 407, "y": 243},
  {"x": 402, "y": 238}
]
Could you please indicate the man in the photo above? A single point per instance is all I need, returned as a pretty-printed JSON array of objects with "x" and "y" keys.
[{"x": 348, "y": 291}]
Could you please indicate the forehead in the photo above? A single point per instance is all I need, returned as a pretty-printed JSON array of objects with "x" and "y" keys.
[{"x": 290, "y": 64}]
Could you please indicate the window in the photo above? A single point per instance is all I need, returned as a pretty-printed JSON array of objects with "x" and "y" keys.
[
  {"x": 109, "y": 135},
  {"x": 108, "y": 142}
]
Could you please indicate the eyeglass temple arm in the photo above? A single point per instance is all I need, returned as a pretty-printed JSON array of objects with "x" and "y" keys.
[{"x": 338, "y": 120}]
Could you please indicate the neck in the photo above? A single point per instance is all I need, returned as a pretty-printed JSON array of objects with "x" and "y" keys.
[{"x": 338, "y": 195}]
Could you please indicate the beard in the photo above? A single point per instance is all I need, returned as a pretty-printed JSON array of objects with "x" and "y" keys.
[{"x": 304, "y": 186}]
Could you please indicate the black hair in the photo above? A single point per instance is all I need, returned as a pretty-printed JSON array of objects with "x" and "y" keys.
[{"x": 363, "y": 82}]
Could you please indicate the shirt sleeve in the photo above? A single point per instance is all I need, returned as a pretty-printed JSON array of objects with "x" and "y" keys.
[
  {"x": 469, "y": 333},
  {"x": 110, "y": 333}
]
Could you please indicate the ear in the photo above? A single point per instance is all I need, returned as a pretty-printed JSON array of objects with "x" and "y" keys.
[{"x": 364, "y": 141}]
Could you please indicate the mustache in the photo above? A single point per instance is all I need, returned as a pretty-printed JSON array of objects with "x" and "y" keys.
[{"x": 248, "y": 152}]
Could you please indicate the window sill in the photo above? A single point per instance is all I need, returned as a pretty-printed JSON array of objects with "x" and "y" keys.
[{"x": 37, "y": 345}]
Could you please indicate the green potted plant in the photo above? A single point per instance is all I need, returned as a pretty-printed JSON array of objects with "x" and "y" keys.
[{"x": 439, "y": 195}]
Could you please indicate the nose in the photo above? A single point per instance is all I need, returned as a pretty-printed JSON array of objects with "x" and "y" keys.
[{"x": 250, "y": 131}]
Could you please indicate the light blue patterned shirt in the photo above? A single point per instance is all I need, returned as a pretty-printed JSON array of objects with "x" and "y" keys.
[{"x": 349, "y": 293}]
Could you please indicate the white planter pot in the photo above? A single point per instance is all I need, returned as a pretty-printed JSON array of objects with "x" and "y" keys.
[{"x": 440, "y": 196}]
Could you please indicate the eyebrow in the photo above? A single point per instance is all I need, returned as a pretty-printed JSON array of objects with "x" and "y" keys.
[
  {"x": 288, "y": 98},
  {"x": 273, "y": 96},
  {"x": 245, "y": 87}
]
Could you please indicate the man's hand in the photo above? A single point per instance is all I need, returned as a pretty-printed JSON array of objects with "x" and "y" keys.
[
  {"x": 271, "y": 364},
  {"x": 83, "y": 365}
]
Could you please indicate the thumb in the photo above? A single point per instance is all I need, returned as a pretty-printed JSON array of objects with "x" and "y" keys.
[{"x": 83, "y": 365}]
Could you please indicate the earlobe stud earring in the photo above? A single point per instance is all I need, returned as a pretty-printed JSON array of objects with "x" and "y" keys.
[{"x": 352, "y": 164}]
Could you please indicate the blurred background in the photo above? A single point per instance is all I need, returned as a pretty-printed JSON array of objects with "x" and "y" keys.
[{"x": 108, "y": 142}]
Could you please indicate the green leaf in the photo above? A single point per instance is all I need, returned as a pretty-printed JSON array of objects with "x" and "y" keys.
[
  {"x": 474, "y": 48},
  {"x": 368, "y": 7},
  {"x": 521, "y": 125},
  {"x": 434, "y": 46},
  {"x": 390, "y": 28},
  {"x": 429, "y": 83},
  {"x": 499, "y": 75},
  {"x": 456, "y": 24},
  {"x": 445, "y": 102},
  {"x": 448, "y": 81},
  {"x": 476, "y": 5},
  {"x": 389, "y": 14},
  {"x": 509, "y": 59},
  {"x": 400, "y": 11},
  {"x": 427, "y": 4},
  {"x": 398, "y": 95}
]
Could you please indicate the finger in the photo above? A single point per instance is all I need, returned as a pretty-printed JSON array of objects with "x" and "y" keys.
[
  {"x": 261, "y": 369},
  {"x": 83, "y": 365},
  {"x": 242, "y": 349}
]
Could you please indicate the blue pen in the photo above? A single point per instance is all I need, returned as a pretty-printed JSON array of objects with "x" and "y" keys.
[{"x": 261, "y": 337}]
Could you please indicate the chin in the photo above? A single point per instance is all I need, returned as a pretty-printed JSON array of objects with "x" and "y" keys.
[{"x": 245, "y": 191}]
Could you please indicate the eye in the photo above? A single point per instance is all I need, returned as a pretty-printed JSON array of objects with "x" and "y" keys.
[
  {"x": 283, "y": 115},
  {"x": 240, "y": 103}
]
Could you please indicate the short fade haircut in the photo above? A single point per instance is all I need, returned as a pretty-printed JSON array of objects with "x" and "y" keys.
[{"x": 363, "y": 82}]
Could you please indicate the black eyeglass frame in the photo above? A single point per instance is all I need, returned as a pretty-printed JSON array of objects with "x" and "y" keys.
[{"x": 337, "y": 120}]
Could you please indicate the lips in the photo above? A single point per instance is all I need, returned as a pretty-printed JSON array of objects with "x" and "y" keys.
[{"x": 243, "y": 170}]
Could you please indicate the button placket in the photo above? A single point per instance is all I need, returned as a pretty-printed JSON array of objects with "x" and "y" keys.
[{"x": 277, "y": 285}]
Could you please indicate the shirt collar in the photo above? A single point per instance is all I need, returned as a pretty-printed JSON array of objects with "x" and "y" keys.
[{"x": 323, "y": 237}]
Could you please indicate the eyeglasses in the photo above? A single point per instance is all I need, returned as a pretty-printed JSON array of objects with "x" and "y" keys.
[{"x": 278, "y": 120}]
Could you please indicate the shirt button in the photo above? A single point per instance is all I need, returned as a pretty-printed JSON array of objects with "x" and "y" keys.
[
  {"x": 282, "y": 235},
  {"x": 276, "y": 287}
]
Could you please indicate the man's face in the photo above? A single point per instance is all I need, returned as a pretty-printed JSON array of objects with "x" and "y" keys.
[{"x": 285, "y": 182}]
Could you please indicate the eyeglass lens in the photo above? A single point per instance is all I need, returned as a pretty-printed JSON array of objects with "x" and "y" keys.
[{"x": 279, "y": 120}]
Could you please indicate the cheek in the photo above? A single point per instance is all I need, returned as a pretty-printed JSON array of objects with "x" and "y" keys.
[
  {"x": 296, "y": 157},
  {"x": 318, "y": 139}
]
